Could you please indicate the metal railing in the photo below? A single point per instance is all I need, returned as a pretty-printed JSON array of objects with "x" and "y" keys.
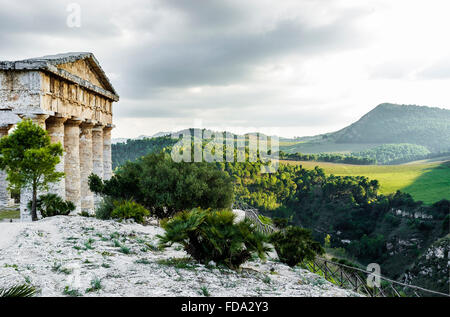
[
  {"x": 262, "y": 227},
  {"x": 252, "y": 214},
  {"x": 355, "y": 278}
]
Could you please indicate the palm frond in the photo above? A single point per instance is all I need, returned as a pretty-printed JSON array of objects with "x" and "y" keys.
[{"x": 23, "y": 290}]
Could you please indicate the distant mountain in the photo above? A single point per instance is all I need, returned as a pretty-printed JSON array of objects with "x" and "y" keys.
[
  {"x": 141, "y": 137},
  {"x": 385, "y": 124},
  {"x": 133, "y": 149},
  {"x": 156, "y": 135},
  {"x": 390, "y": 123},
  {"x": 118, "y": 140}
]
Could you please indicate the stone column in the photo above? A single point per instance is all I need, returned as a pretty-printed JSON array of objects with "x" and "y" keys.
[
  {"x": 55, "y": 129},
  {"x": 5, "y": 195},
  {"x": 72, "y": 162},
  {"x": 26, "y": 194},
  {"x": 107, "y": 162},
  {"x": 86, "y": 166},
  {"x": 97, "y": 155}
]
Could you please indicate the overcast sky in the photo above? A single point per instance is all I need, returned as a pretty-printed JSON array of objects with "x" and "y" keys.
[{"x": 293, "y": 68}]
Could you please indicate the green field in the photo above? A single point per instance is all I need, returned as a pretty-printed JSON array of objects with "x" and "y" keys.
[
  {"x": 428, "y": 182},
  {"x": 9, "y": 214}
]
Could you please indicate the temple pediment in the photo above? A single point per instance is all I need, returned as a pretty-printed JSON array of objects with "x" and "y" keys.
[{"x": 81, "y": 68}]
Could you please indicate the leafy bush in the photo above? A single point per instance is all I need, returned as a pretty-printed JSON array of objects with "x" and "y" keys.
[
  {"x": 50, "y": 205},
  {"x": 105, "y": 208},
  {"x": 85, "y": 214},
  {"x": 214, "y": 236},
  {"x": 96, "y": 285},
  {"x": 369, "y": 247},
  {"x": 393, "y": 220},
  {"x": 166, "y": 187},
  {"x": 294, "y": 245},
  {"x": 440, "y": 209},
  {"x": 280, "y": 223},
  {"x": 130, "y": 210}
]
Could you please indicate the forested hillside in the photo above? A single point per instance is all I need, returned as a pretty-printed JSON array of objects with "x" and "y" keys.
[
  {"x": 134, "y": 149},
  {"x": 390, "y": 123},
  {"x": 329, "y": 157},
  {"x": 394, "y": 153},
  {"x": 389, "y": 134},
  {"x": 363, "y": 225}
]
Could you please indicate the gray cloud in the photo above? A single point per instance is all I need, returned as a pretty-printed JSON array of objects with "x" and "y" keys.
[
  {"x": 209, "y": 14},
  {"x": 156, "y": 50},
  {"x": 28, "y": 23},
  {"x": 223, "y": 58}
]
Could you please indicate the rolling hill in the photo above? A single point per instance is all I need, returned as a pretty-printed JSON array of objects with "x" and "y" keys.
[
  {"x": 390, "y": 123},
  {"x": 385, "y": 124}
]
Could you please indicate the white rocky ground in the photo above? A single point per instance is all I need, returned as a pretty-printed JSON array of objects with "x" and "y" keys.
[{"x": 63, "y": 255}]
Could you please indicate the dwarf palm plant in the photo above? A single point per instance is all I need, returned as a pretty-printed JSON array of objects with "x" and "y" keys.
[
  {"x": 295, "y": 245},
  {"x": 23, "y": 290},
  {"x": 214, "y": 236}
]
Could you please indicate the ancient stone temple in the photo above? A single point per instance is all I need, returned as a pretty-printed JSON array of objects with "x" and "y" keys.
[{"x": 70, "y": 96}]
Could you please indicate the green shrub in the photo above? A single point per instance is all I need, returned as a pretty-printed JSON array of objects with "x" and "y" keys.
[
  {"x": 96, "y": 285},
  {"x": 294, "y": 245},
  {"x": 125, "y": 250},
  {"x": 166, "y": 187},
  {"x": 50, "y": 205},
  {"x": 213, "y": 236},
  {"x": 393, "y": 220},
  {"x": 85, "y": 214},
  {"x": 204, "y": 291},
  {"x": 95, "y": 183},
  {"x": 130, "y": 210},
  {"x": 280, "y": 223},
  {"x": 105, "y": 208},
  {"x": 71, "y": 292}
]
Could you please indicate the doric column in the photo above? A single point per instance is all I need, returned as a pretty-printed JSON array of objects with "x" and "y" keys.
[
  {"x": 55, "y": 129},
  {"x": 26, "y": 194},
  {"x": 5, "y": 195},
  {"x": 86, "y": 166},
  {"x": 97, "y": 155},
  {"x": 107, "y": 163},
  {"x": 97, "y": 150},
  {"x": 72, "y": 162}
]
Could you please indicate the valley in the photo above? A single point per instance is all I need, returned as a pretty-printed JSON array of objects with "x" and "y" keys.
[
  {"x": 425, "y": 181},
  {"x": 393, "y": 212}
]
